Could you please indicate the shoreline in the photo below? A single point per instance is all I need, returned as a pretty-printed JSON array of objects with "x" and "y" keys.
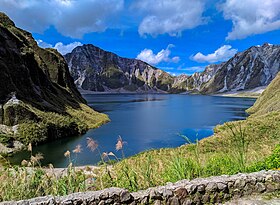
[
  {"x": 251, "y": 93},
  {"x": 103, "y": 123}
]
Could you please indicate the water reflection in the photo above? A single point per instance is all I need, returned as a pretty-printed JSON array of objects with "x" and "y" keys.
[{"x": 146, "y": 122}]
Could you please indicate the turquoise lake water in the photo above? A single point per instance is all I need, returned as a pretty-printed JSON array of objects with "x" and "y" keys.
[{"x": 145, "y": 122}]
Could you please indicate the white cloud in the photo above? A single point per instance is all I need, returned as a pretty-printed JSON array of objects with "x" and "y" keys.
[
  {"x": 251, "y": 17},
  {"x": 43, "y": 44},
  {"x": 150, "y": 57},
  {"x": 70, "y": 17},
  {"x": 63, "y": 49},
  {"x": 169, "y": 16},
  {"x": 221, "y": 54}
]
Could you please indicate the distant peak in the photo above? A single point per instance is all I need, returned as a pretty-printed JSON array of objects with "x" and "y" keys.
[
  {"x": 267, "y": 44},
  {"x": 86, "y": 47},
  {"x": 5, "y": 20}
]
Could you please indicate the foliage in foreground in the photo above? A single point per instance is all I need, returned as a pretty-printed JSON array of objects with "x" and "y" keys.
[
  {"x": 243, "y": 146},
  {"x": 24, "y": 182},
  {"x": 236, "y": 147}
]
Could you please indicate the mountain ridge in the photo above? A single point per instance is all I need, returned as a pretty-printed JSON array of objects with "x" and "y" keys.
[
  {"x": 95, "y": 69},
  {"x": 98, "y": 70}
]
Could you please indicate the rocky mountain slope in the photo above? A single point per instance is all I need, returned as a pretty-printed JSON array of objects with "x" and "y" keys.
[
  {"x": 37, "y": 93},
  {"x": 98, "y": 70},
  {"x": 254, "y": 67}
]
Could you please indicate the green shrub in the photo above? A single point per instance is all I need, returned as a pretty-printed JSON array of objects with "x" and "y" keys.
[
  {"x": 271, "y": 162},
  {"x": 181, "y": 168},
  {"x": 220, "y": 164},
  {"x": 31, "y": 132},
  {"x": 5, "y": 138}
]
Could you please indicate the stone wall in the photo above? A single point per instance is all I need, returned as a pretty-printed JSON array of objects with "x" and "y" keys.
[{"x": 198, "y": 191}]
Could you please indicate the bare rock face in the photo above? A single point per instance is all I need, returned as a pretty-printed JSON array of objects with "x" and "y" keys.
[
  {"x": 249, "y": 69},
  {"x": 97, "y": 70}
]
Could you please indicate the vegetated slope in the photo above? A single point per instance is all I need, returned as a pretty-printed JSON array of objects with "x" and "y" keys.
[
  {"x": 98, "y": 70},
  {"x": 37, "y": 92},
  {"x": 238, "y": 146},
  {"x": 269, "y": 100}
]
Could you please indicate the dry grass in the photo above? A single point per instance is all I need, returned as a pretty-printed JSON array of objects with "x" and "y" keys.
[{"x": 235, "y": 147}]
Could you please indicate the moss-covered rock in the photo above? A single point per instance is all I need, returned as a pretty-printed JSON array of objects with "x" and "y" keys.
[{"x": 14, "y": 114}]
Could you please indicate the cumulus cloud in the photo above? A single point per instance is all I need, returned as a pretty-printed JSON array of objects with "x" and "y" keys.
[
  {"x": 148, "y": 56},
  {"x": 169, "y": 16},
  {"x": 70, "y": 17},
  {"x": 62, "y": 48},
  {"x": 43, "y": 44},
  {"x": 221, "y": 54},
  {"x": 251, "y": 17}
]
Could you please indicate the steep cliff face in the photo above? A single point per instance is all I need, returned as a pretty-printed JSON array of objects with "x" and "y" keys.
[
  {"x": 35, "y": 82},
  {"x": 254, "y": 67},
  {"x": 95, "y": 69},
  {"x": 36, "y": 75},
  {"x": 98, "y": 70},
  {"x": 197, "y": 81}
]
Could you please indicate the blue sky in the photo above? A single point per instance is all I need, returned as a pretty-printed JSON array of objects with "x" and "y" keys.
[{"x": 179, "y": 36}]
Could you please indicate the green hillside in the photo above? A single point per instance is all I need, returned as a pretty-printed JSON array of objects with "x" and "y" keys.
[{"x": 269, "y": 100}]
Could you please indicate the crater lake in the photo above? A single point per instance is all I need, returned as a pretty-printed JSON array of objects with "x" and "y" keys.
[{"x": 144, "y": 121}]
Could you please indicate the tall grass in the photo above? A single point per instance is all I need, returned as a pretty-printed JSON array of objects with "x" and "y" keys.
[
  {"x": 235, "y": 148},
  {"x": 240, "y": 142},
  {"x": 31, "y": 180},
  {"x": 243, "y": 146}
]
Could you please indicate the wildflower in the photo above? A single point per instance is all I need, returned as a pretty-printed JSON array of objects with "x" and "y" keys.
[
  {"x": 104, "y": 155},
  {"x": 37, "y": 158},
  {"x": 78, "y": 149},
  {"x": 67, "y": 153},
  {"x": 111, "y": 154},
  {"x": 120, "y": 143},
  {"x": 51, "y": 166},
  {"x": 29, "y": 148},
  {"x": 24, "y": 162},
  {"x": 92, "y": 144}
]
